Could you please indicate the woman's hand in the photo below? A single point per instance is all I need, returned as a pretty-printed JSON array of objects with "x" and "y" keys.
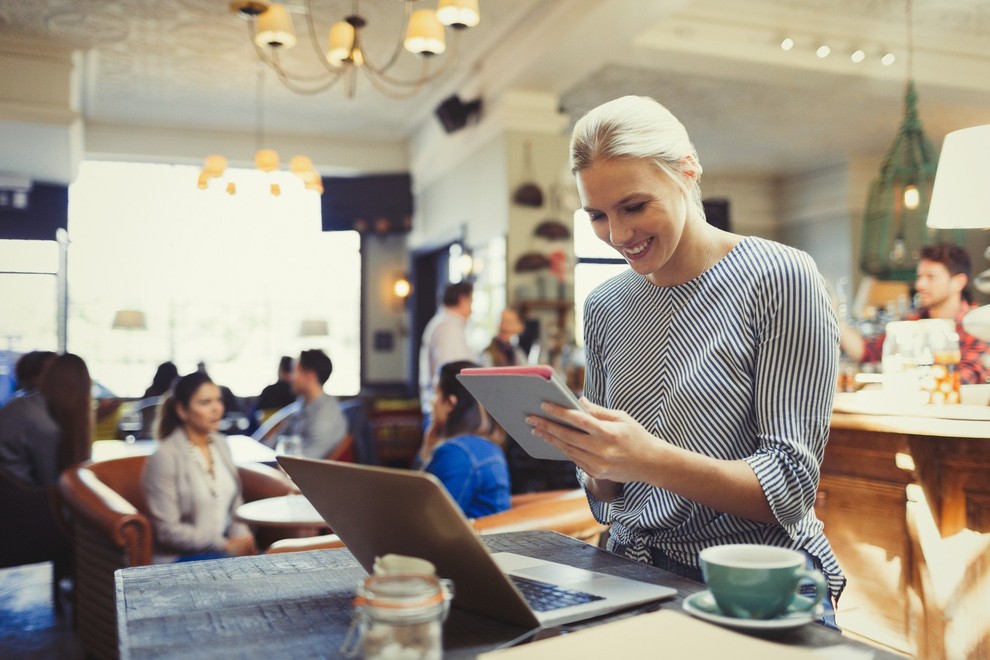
[
  {"x": 614, "y": 447},
  {"x": 239, "y": 546}
]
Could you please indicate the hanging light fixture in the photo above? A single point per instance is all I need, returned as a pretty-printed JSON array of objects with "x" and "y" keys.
[
  {"x": 265, "y": 159},
  {"x": 894, "y": 228},
  {"x": 424, "y": 34}
]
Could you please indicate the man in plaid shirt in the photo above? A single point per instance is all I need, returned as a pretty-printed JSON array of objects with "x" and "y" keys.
[{"x": 942, "y": 276}]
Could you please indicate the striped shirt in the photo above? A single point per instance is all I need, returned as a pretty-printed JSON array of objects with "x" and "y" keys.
[{"x": 739, "y": 363}]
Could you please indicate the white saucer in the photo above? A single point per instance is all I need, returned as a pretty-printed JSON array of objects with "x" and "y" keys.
[{"x": 703, "y": 606}]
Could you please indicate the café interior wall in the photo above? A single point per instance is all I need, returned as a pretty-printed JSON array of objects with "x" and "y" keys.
[
  {"x": 467, "y": 203},
  {"x": 385, "y": 317}
]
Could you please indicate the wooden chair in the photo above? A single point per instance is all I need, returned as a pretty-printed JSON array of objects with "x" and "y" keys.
[
  {"x": 344, "y": 451},
  {"x": 563, "y": 511},
  {"x": 949, "y": 586},
  {"x": 110, "y": 529}
]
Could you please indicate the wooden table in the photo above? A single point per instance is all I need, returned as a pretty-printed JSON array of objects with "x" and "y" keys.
[
  {"x": 283, "y": 511},
  {"x": 298, "y": 605},
  {"x": 243, "y": 448}
]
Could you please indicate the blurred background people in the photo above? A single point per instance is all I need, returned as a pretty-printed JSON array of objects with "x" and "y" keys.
[
  {"x": 279, "y": 394},
  {"x": 28, "y": 370},
  {"x": 191, "y": 483},
  {"x": 444, "y": 340},
  {"x": 504, "y": 350},
  {"x": 165, "y": 375},
  {"x": 51, "y": 427},
  {"x": 458, "y": 448},
  {"x": 942, "y": 277},
  {"x": 320, "y": 423}
]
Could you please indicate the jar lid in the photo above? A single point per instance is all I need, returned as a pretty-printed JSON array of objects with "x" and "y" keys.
[{"x": 400, "y": 591}]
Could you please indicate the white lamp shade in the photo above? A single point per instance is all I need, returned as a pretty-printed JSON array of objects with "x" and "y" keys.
[
  {"x": 275, "y": 28},
  {"x": 341, "y": 42},
  {"x": 424, "y": 36},
  {"x": 458, "y": 13},
  {"x": 961, "y": 196},
  {"x": 314, "y": 328},
  {"x": 129, "y": 319}
]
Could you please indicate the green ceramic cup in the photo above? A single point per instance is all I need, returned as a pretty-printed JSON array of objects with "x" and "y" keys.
[{"x": 759, "y": 581}]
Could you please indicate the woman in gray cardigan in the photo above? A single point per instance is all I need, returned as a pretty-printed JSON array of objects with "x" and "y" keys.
[{"x": 191, "y": 483}]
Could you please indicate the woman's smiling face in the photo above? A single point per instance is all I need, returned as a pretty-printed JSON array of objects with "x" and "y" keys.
[{"x": 636, "y": 208}]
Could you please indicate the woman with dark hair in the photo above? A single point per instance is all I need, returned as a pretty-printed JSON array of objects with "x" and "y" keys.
[
  {"x": 164, "y": 377},
  {"x": 191, "y": 483},
  {"x": 46, "y": 431},
  {"x": 459, "y": 451}
]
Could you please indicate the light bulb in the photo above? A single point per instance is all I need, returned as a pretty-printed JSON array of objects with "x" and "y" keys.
[
  {"x": 823, "y": 51},
  {"x": 888, "y": 59},
  {"x": 857, "y": 56},
  {"x": 402, "y": 288},
  {"x": 787, "y": 44},
  {"x": 911, "y": 197}
]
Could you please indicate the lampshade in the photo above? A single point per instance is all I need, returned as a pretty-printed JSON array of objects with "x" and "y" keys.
[
  {"x": 961, "y": 197},
  {"x": 458, "y": 14},
  {"x": 314, "y": 328},
  {"x": 300, "y": 164},
  {"x": 275, "y": 28},
  {"x": 341, "y": 42},
  {"x": 425, "y": 33},
  {"x": 215, "y": 165},
  {"x": 266, "y": 160},
  {"x": 129, "y": 319}
]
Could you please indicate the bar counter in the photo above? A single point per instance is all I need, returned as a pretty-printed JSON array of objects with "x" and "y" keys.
[{"x": 905, "y": 498}]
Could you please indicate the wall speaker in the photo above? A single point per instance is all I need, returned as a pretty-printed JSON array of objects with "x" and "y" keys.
[{"x": 455, "y": 114}]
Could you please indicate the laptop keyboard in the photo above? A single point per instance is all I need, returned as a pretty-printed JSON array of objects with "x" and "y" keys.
[{"x": 543, "y": 597}]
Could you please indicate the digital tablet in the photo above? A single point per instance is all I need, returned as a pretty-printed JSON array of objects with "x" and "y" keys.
[{"x": 510, "y": 394}]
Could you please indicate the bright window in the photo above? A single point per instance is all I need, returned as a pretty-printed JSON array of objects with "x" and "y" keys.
[
  {"x": 225, "y": 280},
  {"x": 596, "y": 262}
]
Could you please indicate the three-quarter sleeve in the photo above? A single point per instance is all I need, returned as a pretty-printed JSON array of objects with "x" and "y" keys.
[{"x": 794, "y": 387}]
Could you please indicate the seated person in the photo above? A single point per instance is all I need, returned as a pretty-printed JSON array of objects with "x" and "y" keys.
[
  {"x": 279, "y": 394},
  {"x": 50, "y": 428},
  {"x": 458, "y": 449},
  {"x": 191, "y": 483},
  {"x": 320, "y": 423}
]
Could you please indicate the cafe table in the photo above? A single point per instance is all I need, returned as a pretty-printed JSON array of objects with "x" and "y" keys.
[
  {"x": 293, "y": 511},
  {"x": 298, "y": 605}
]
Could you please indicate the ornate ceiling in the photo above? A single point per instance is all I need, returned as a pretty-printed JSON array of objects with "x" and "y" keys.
[{"x": 716, "y": 63}]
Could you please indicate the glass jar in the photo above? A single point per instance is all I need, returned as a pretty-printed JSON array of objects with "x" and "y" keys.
[
  {"x": 399, "y": 617},
  {"x": 921, "y": 361}
]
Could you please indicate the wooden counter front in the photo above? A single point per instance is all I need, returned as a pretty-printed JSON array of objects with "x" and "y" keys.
[{"x": 870, "y": 460}]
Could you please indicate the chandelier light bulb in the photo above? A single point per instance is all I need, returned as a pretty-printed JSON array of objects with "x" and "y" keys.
[
  {"x": 787, "y": 44},
  {"x": 231, "y": 188},
  {"x": 823, "y": 51},
  {"x": 888, "y": 59},
  {"x": 300, "y": 164},
  {"x": 857, "y": 56},
  {"x": 458, "y": 14},
  {"x": 425, "y": 33},
  {"x": 911, "y": 197},
  {"x": 274, "y": 28}
]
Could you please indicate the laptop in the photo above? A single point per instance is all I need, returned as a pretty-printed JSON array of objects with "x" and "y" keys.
[{"x": 376, "y": 511}]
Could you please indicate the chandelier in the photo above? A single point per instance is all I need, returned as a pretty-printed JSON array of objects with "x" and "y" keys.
[
  {"x": 265, "y": 159},
  {"x": 894, "y": 224},
  {"x": 271, "y": 32}
]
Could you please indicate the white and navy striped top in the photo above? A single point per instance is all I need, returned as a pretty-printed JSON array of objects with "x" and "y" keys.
[{"x": 739, "y": 363}]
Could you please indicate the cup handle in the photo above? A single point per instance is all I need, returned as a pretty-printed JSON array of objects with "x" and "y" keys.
[{"x": 821, "y": 590}]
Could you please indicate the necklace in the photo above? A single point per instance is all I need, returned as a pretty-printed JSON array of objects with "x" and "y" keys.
[{"x": 206, "y": 465}]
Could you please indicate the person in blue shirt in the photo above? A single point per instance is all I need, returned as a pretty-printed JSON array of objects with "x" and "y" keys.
[{"x": 458, "y": 448}]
